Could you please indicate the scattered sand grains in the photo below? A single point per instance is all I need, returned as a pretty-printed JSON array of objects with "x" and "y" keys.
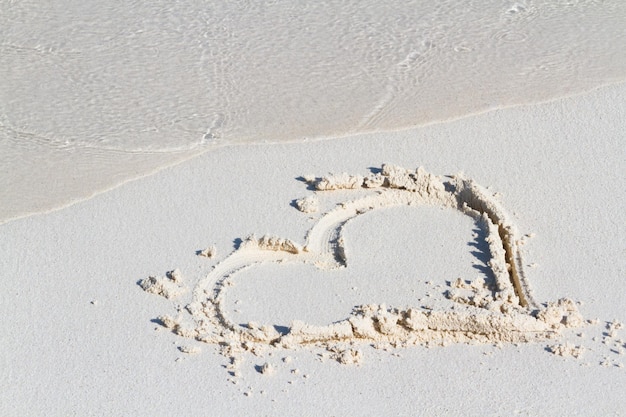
[
  {"x": 189, "y": 349},
  {"x": 209, "y": 252},
  {"x": 267, "y": 369},
  {"x": 339, "y": 182},
  {"x": 308, "y": 204},
  {"x": 169, "y": 286},
  {"x": 567, "y": 350}
]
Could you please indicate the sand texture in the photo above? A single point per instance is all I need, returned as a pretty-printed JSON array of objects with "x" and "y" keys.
[{"x": 252, "y": 281}]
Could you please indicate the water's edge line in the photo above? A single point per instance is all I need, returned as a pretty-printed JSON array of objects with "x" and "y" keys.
[
  {"x": 606, "y": 85},
  {"x": 193, "y": 153}
]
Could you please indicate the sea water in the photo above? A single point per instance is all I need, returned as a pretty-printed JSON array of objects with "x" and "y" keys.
[{"x": 95, "y": 93}]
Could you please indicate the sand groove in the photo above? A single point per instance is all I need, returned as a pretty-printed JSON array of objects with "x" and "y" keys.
[{"x": 502, "y": 312}]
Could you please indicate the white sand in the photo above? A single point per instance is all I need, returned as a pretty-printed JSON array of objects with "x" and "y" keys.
[{"x": 79, "y": 334}]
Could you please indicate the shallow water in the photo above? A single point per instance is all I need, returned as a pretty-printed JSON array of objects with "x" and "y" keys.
[{"x": 93, "y": 94}]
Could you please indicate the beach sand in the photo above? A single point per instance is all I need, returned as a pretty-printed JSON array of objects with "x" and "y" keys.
[{"x": 81, "y": 337}]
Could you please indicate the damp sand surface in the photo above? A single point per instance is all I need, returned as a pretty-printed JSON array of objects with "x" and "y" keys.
[
  {"x": 93, "y": 95},
  {"x": 76, "y": 313}
]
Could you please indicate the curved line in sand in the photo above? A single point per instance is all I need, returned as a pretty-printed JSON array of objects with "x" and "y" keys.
[
  {"x": 504, "y": 312},
  {"x": 325, "y": 248}
]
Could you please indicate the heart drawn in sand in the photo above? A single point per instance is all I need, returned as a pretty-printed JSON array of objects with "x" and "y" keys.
[{"x": 500, "y": 311}]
